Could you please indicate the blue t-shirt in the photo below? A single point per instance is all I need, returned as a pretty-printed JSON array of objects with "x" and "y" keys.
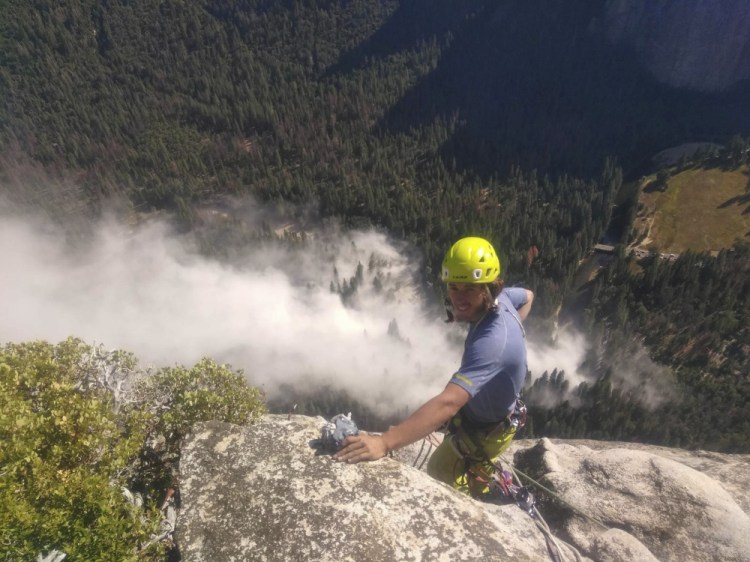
[{"x": 493, "y": 366}]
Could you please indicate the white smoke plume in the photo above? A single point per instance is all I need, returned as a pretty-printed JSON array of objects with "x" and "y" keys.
[
  {"x": 566, "y": 354},
  {"x": 631, "y": 369},
  {"x": 271, "y": 313}
]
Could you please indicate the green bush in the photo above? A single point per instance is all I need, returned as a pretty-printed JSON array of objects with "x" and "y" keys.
[
  {"x": 207, "y": 391},
  {"x": 177, "y": 398},
  {"x": 75, "y": 424}
]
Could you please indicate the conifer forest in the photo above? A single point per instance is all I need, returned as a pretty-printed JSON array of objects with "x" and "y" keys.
[{"x": 426, "y": 120}]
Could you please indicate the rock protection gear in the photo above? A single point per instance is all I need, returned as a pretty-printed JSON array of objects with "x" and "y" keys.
[
  {"x": 334, "y": 432},
  {"x": 471, "y": 260}
]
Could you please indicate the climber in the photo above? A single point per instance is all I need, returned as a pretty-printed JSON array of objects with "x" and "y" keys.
[{"x": 480, "y": 399}]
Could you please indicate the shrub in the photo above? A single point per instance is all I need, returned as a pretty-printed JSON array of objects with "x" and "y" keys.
[
  {"x": 62, "y": 449},
  {"x": 177, "y": 398},
  {"x": 74, "y": 427},
  {"x": 180, "y": 397}
]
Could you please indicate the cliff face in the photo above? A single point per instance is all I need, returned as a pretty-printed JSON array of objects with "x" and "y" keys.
[{"x": 699, "y": 44}]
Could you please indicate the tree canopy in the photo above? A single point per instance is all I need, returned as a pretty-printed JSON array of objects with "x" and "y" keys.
[{"x": 430, "y": 120}]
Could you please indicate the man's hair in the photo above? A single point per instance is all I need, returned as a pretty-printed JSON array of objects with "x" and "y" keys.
[{"x": 495, "y": 288}]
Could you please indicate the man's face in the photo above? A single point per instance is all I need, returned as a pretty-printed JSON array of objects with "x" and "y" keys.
[{"x": 468, "y": 301}]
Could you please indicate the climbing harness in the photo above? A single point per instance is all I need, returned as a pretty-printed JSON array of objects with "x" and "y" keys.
[
  {"x": 468, "y": 441},
  {"x": 494, "y": 482},
  {"x": 334, "y": 432}
]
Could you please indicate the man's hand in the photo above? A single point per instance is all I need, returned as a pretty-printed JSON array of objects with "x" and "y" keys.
[{"x": 362, "y": 447}]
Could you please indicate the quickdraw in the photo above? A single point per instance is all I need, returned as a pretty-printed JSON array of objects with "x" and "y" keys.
[
  {"x": 502, "y": 481},
  {"x": 519, "y": 416}
]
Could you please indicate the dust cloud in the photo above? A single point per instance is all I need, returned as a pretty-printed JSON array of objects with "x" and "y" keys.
[{"x": 275, "y": 310}]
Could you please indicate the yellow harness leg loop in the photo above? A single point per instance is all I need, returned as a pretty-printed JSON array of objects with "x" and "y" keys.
[{"x": 465, "y": 460}]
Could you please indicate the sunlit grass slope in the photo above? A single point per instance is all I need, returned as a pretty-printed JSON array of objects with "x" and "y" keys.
[{"x": 701, "y": 209}]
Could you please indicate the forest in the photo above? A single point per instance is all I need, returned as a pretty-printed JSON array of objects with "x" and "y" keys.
[{"x": 427, "y": 120}]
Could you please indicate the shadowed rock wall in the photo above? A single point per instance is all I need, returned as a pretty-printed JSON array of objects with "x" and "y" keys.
[{"x": 698, "y": 44}]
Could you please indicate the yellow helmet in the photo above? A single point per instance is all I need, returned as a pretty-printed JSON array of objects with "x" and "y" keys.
[{"x": 471, "y": 260}]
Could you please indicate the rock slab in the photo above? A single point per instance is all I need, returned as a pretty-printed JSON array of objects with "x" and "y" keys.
[
  {"x": 678, "y": 513},
  {"x": 263, "y": 493}
]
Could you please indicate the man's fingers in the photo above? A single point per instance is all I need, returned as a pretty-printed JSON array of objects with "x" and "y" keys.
[
  {"x": 353, "y": 457},
  {"x": 354, "y": 451},
  {"x": 360, "y": 448}
]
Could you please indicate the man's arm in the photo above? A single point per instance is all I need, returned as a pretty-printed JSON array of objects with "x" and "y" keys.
[
  {"x": 523, "y": 312},
  {"x": 434, "y": 413}
]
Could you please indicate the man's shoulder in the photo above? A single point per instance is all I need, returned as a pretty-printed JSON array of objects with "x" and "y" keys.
[
  {"x": 516, "y": 296},
  {"x": 492, "y": 326}
]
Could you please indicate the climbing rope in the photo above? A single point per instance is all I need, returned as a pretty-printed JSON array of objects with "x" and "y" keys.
[
  {"x": 429, "y": 443},
  {"x": 334, "y": 432},
  {"x": 554, "y": 544},
  {"x": 538, "y": 484},
  {"x": 502, "y": 482}
]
